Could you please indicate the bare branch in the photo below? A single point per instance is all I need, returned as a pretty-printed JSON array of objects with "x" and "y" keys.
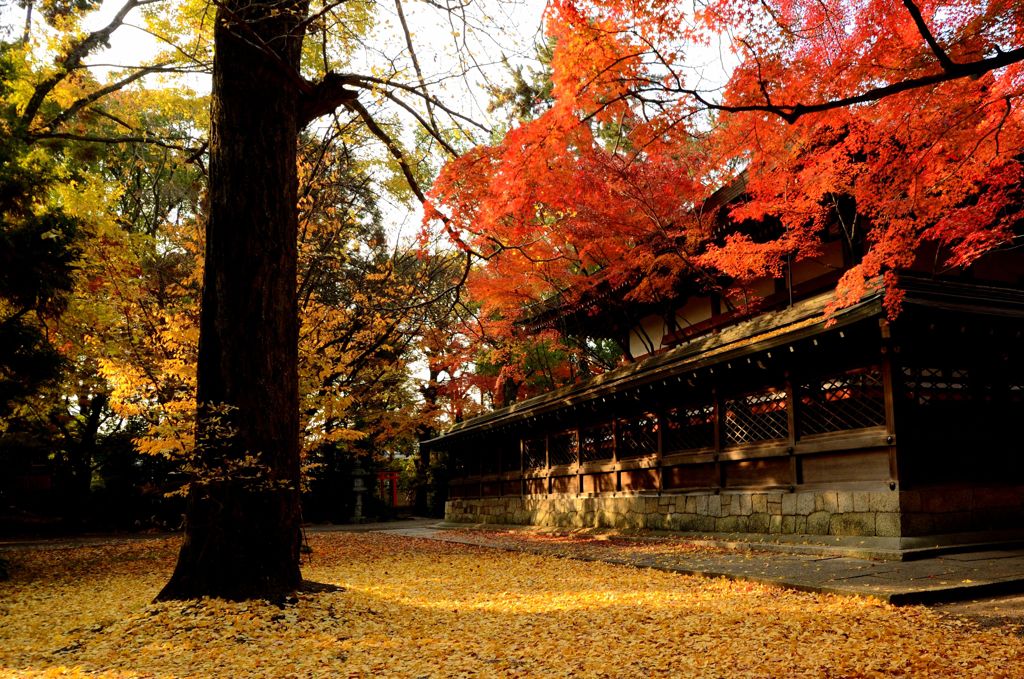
[
  {"x": 415, "y": 62},
  {"x": 429, "y": 126},
  {"x": 323, "y": 97},
  {"x": 393, "y": 148},
  {"x": 373, "y": 83},
  {"x": 940, "y": 54}
]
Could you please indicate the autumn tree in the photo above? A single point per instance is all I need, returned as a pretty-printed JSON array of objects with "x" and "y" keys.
[
  {"x": 242, "y": 534},
  {"x": 909, "y": 112}
]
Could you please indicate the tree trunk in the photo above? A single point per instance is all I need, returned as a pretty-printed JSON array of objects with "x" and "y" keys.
[{"x": 242, "y": 529}]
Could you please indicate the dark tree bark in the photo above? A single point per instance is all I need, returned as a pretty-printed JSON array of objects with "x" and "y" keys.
[{"x": 242, "y": 530}]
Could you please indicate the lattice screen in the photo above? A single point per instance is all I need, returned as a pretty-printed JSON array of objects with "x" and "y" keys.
[
  {"x": 510, "y": 457},
  {"x": 925, "y": 385},
  {"x": 562, "y": 448},
  {"x": 637, "y": 435},
  {"x": 756, "y": 417},
  {"x": 459, "y": 463},
  {"x": 533, "y": 453},
  {"x": 596, "y": 443},
  {"x": 489, "y": 462},
  {"x": 689, "y": 428},
  {"x": 851, "y": 400}
]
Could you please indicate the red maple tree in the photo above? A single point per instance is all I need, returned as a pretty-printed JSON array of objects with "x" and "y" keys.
[{"x": 908, "y": 114}]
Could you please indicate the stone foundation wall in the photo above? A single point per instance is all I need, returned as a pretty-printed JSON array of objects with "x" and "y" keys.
[{"x": 874, "y": 513}]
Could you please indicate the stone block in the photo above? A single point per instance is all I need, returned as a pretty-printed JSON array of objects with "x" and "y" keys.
[
  {"x": 852, "y": 523},
  {"x": 789, "y": 504},
  {"x": 788, "y": 524},
  {"x": 887, "y": 524},
  {"x": 686, "y": 522},
  {"x": 817, "y": 523},
  {"x": 746, "y": 505},
  {"x": 703, "y": 505},
  {"x": 759, "y": 503},
  {"x": 715, "y": 505},
  {"x": 690, "y": 506},
  {"x": 945, "y": 500},
  {"x": 952, "y": 522},
  {"x": 884, "y": 501},
  {"x": 801, "y": 525},
  {"x": 706, "y": 523},
  {"x": 775, "y": 523},
  {"x": 827, "y": 501},
  {"x": 727, "y": 524},
  {"x": 758, "y": 522},
  {"x": 861, "y": 501},
  {"x": 845, "y": 502},
  {"x": 804, "y": 503}
]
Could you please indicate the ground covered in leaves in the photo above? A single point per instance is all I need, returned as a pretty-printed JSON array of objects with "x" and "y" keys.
[{"x": 420, "y": 608}]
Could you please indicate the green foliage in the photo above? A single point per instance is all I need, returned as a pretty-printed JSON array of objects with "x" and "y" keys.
[
  {"x": 38, "y": 250},
  {"x": 530, "y": 92}
]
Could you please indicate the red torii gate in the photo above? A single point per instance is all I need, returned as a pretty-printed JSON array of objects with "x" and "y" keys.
[{"x": 388, "y": 480}]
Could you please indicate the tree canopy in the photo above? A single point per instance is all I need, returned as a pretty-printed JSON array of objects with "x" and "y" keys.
[{"x": 908, "y": 112}]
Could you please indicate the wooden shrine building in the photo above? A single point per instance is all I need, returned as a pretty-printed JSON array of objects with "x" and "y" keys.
[{"x": 780, "y": 422}]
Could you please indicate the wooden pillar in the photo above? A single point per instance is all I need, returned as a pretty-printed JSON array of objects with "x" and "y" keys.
[
  {"x": 615, "y": 455},
  {"x": 791, "y": 413},
  {"x": 659, "y": 419},
  {"x": 719, "y": 432},
  {"x": 522, "y": 466},
  {"x": 547, "y": 463},
  {"x": 889, "y": 391},
  {"x": 579, "y": 462}
]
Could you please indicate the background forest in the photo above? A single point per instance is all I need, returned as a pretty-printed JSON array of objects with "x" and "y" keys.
[
  {"x": 586, "y": 164},
  {"x": 102, "y": 193}
]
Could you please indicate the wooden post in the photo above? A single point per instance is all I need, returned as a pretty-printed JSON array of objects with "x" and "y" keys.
[
  {"x": 889, "y": 392},
  {"x": 659, "y": 420},
  {"x": 522, "y": 467},
  {"x": 579, "y": 462},
  {"x": 794, "y": 461},
  {"x": 615, "y": 455},
  {"x": 719, "y": 432},
  {"x": 547, "y": 463}
]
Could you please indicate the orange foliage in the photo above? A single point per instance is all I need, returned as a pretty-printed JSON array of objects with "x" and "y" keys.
[{"x": 866, "y": 103}]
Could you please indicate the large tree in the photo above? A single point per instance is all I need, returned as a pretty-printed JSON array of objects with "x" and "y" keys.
[
  {"x": 277, "y": 67},
  {"x": 243, "y": 518}
]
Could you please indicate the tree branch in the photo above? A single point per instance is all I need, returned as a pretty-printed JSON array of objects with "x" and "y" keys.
[
  {"x": 415, "y": 61},
  {"x": 325, "y": 96},
  {"x": 155, "y": 141},
  {"x": 73, "y": 59},
  {"x": 77, "y": 106},
  {"x": 793, "y": 112},
  {"x": 922, "y": 28},
  {"x": 393, "y": 148}
]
